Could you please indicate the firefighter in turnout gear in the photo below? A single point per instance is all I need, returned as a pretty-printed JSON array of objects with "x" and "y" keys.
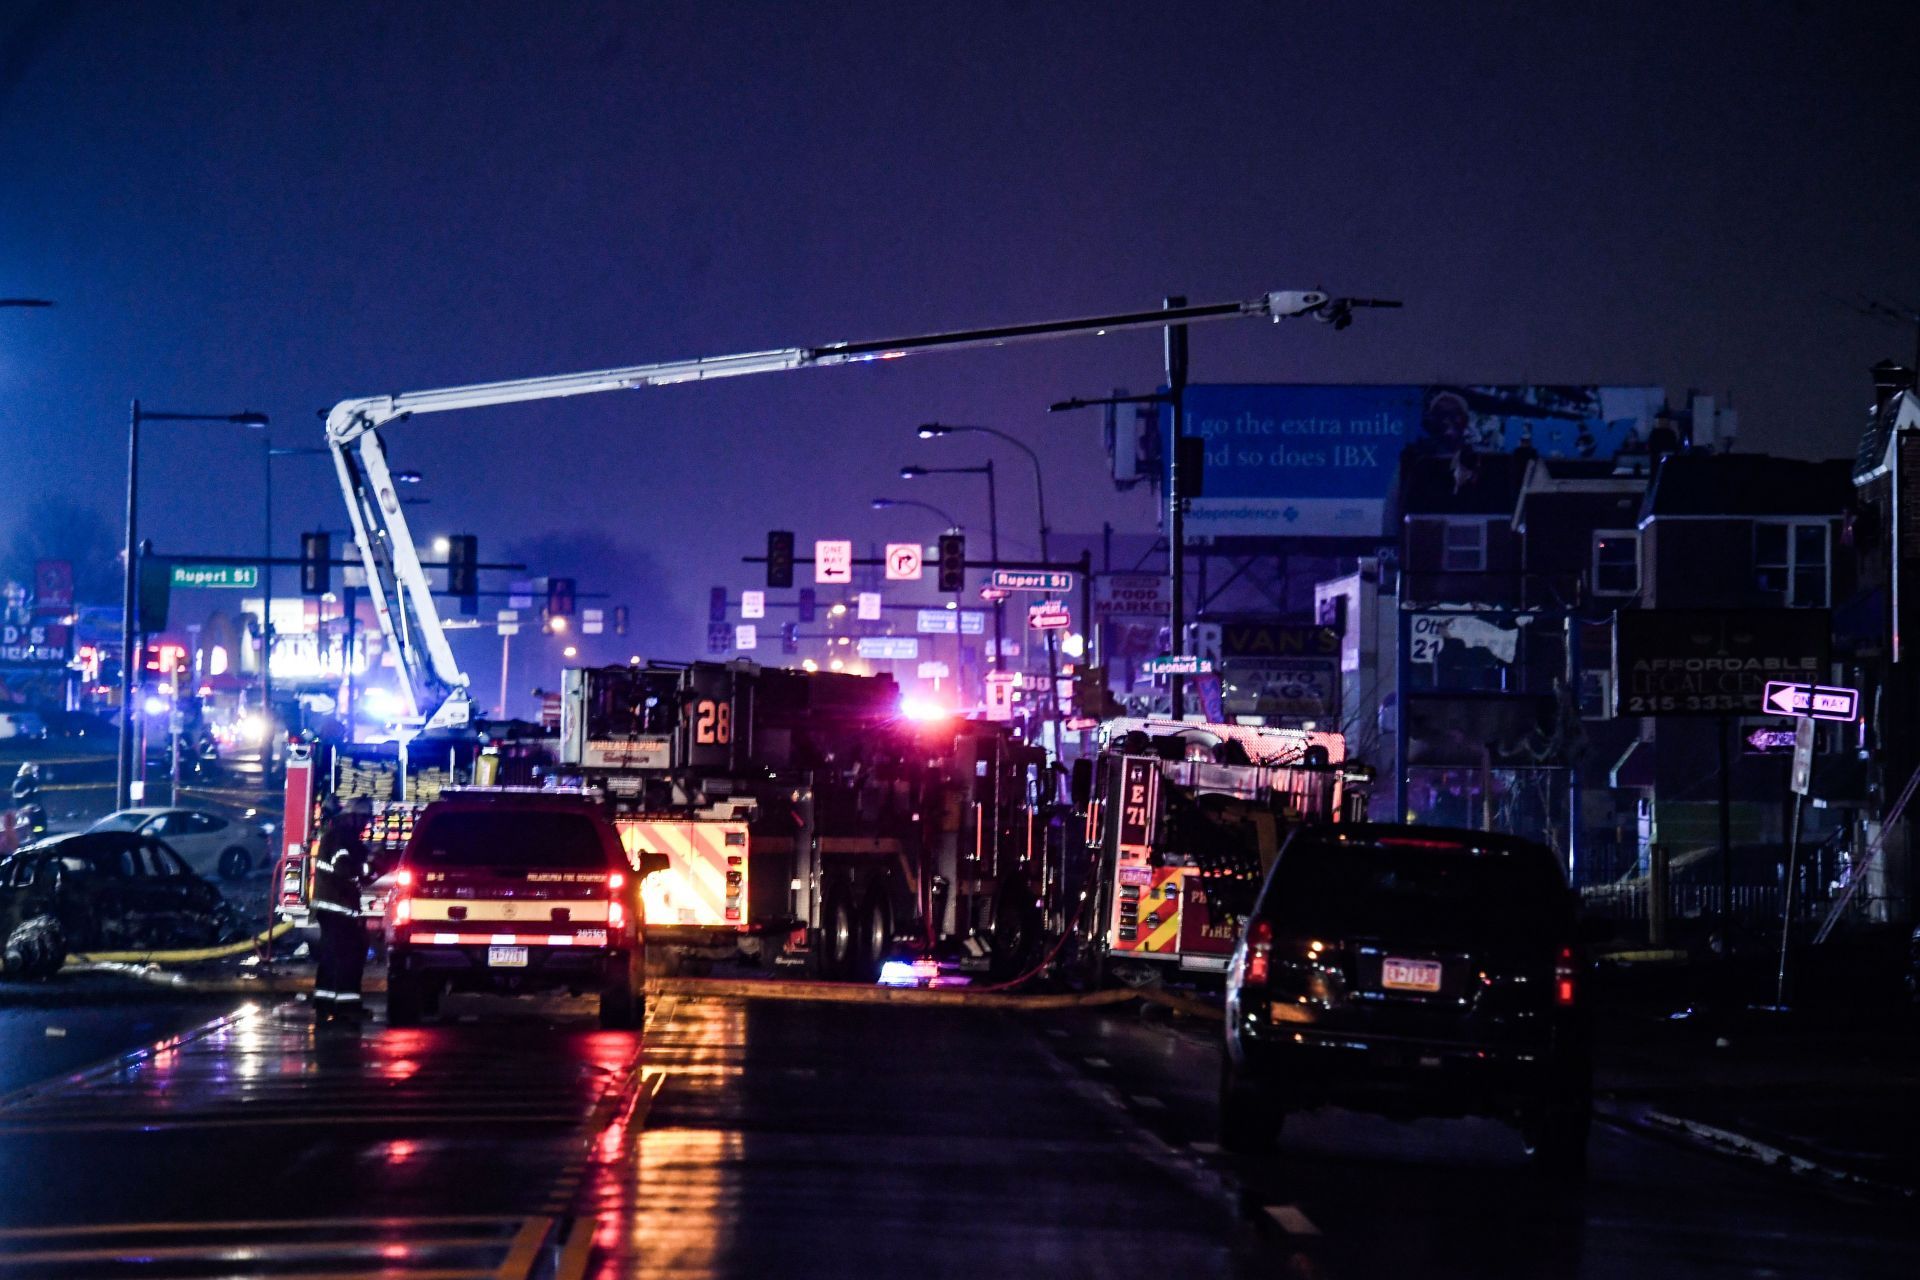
[{"x": 341, "y": 867}]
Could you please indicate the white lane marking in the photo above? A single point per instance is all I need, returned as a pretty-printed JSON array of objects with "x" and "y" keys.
[
  {"x": 1291, "y": 1220},
  {"x": 1098, "y": 1064},
  {"x": 1148, "y": 1101}
]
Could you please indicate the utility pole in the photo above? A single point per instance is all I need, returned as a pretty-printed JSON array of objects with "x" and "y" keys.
[{"x": 1176, "y": 351}]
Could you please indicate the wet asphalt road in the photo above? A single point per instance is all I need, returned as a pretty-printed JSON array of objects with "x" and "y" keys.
[{"x": 798, "y": 1139}]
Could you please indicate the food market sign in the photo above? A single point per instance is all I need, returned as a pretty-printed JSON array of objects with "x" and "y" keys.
[{"x": 1689, "y": 662}]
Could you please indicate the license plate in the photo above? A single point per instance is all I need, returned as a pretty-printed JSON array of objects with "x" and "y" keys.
[
  {"x": 1409, "y": 975},
  {"x": 507, "y": 957}
]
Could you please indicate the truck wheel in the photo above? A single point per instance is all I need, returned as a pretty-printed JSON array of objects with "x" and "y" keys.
[
  {"x": 1250, "y": 1120},
  {"x": 235, "y": 863},
  {"x": 621, "y": 1008},
  {"x": 404, "y": 1002},
  {"x": 876, "y": 937},
  {"x": 839, "y": 936},
  {"x": 1017, "y": 941}
]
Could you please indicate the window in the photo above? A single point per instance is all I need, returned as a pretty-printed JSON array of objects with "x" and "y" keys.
[
  {"x": 1463, "y": 546},
  {"x": 544, "y": 839},
  {"x": 1790, "y": 562},
  {"x": 1616, "y": 562}
]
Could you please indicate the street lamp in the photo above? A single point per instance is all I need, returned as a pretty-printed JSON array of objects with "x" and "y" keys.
[
  {"x": 130, "y": 594},
  {"x": 993, "y": 540},
  {"x": 882, "y": 504},
  {"x": 939, "y": 430}
]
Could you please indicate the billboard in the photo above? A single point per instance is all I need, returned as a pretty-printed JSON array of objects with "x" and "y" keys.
[
  {"x": 1688, "y": 662},
  {"x": 1319, "y": 460}
]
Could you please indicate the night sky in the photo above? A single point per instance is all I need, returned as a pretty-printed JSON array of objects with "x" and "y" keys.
[{"x": 278, "y": 205}]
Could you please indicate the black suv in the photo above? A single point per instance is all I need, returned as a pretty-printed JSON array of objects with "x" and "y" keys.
[
  {"x": 510, "y": 891},
  {"x": 1411, "y": 971}
]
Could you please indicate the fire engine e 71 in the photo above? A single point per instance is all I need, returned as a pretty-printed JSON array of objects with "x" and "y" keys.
[{"x": 1182, "y": 820}]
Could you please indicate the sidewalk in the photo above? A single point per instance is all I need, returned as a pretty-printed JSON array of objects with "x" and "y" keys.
[{"x": 1829, "y": 1090}]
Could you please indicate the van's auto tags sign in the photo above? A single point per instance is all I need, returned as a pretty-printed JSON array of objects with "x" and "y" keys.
[{"x": 1694, "y": 662}]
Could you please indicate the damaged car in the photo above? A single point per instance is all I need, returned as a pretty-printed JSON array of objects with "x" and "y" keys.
[{"x": 103, "y": 891}]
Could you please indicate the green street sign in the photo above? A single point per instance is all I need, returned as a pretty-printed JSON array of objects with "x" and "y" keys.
[{"x": 240, "y": 577}]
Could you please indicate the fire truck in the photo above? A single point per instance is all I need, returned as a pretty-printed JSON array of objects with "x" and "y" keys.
[
  {"x": 1182, "y": 819},
  {"x": 806, "y": 819}
]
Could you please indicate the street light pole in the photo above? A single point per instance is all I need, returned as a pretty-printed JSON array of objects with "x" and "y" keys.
[
  {"x": 129, "y": 603},
  {"x": 130, "y": 587},
  {"x": 1176, "y": 353}
]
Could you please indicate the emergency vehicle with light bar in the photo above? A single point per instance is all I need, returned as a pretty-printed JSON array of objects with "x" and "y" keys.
[
  {"x": 1181, "y": 821},
  {"x": 508, "y": 890}
]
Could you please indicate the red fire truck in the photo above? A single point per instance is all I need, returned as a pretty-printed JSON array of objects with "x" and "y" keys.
[
  {"x": 1182, "y": 820},
  {"x": 805, "y": 818}
]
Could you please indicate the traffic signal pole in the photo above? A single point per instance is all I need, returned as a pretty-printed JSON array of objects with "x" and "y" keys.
[{"x": 1176, "y": 351}]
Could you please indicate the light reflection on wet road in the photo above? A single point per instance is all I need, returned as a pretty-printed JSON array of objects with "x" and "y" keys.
[{"x": 805, "y": 1139}]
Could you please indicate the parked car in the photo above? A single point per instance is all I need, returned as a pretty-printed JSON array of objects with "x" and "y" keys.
[
  {"x": 80, "y": 724},
  {"x": 102, "y": 891},
  {"x": 210, "y": 843},
  {"x": 516, "y": 892},
  {"x": 22, "y": 724},
  {"x": 1411, "y": 971}
]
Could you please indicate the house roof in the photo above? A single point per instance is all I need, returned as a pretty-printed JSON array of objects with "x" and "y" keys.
[
  {"x": 1900, "y": 411},
  {"x": 1747, "y": 484},
  {"x": 1466, "y": 484}
]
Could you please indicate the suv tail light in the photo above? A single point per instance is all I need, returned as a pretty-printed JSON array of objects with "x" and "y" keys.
[
  {"x": 403, "y": 896},
  {"x": 1564, "y": 973},
  {"x": 1259, "y": 953},
  {"x": 616, "y": 907}
]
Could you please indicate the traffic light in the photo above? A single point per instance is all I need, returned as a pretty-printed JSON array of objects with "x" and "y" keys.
[
  {"x": 316, "y": 564},
  {"x": 1090, "y": 696},
  {"x": 809, "y": 604},
  {"x": 780, "y": 558},
  {"x": 789, "y": 638},
  {"x": 463, "y": 565},
  {"x": 619, "y": 619},
  {"x": 559, "y": 597},
  {"x": 953, "y": 562}
]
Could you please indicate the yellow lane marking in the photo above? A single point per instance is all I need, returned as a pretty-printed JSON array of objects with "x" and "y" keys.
[
  {"x": 526, "y": 1249},
  {"x": 153, "y": 1124},
  {"x": 574, "y": 1254},
  {"x": 250, "y": 1250},
  {"x": 256, "y": 1224}
]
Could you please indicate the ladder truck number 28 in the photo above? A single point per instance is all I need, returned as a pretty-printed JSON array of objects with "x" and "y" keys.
[{"x": 712, "y": 723}]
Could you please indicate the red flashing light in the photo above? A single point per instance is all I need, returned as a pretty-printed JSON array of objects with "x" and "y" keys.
[
  {"x": 617, "y": 915},
  {"x": 404, "y": 877},
  {"x": 616, "y": 879},
  {"x": 1259, "y": 953}
]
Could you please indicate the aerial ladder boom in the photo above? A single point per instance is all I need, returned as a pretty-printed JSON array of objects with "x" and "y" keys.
[{"x": 403, "y": 598}]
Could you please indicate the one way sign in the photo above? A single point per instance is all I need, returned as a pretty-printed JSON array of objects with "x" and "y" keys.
[{"x": 1816, "y": 701}]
